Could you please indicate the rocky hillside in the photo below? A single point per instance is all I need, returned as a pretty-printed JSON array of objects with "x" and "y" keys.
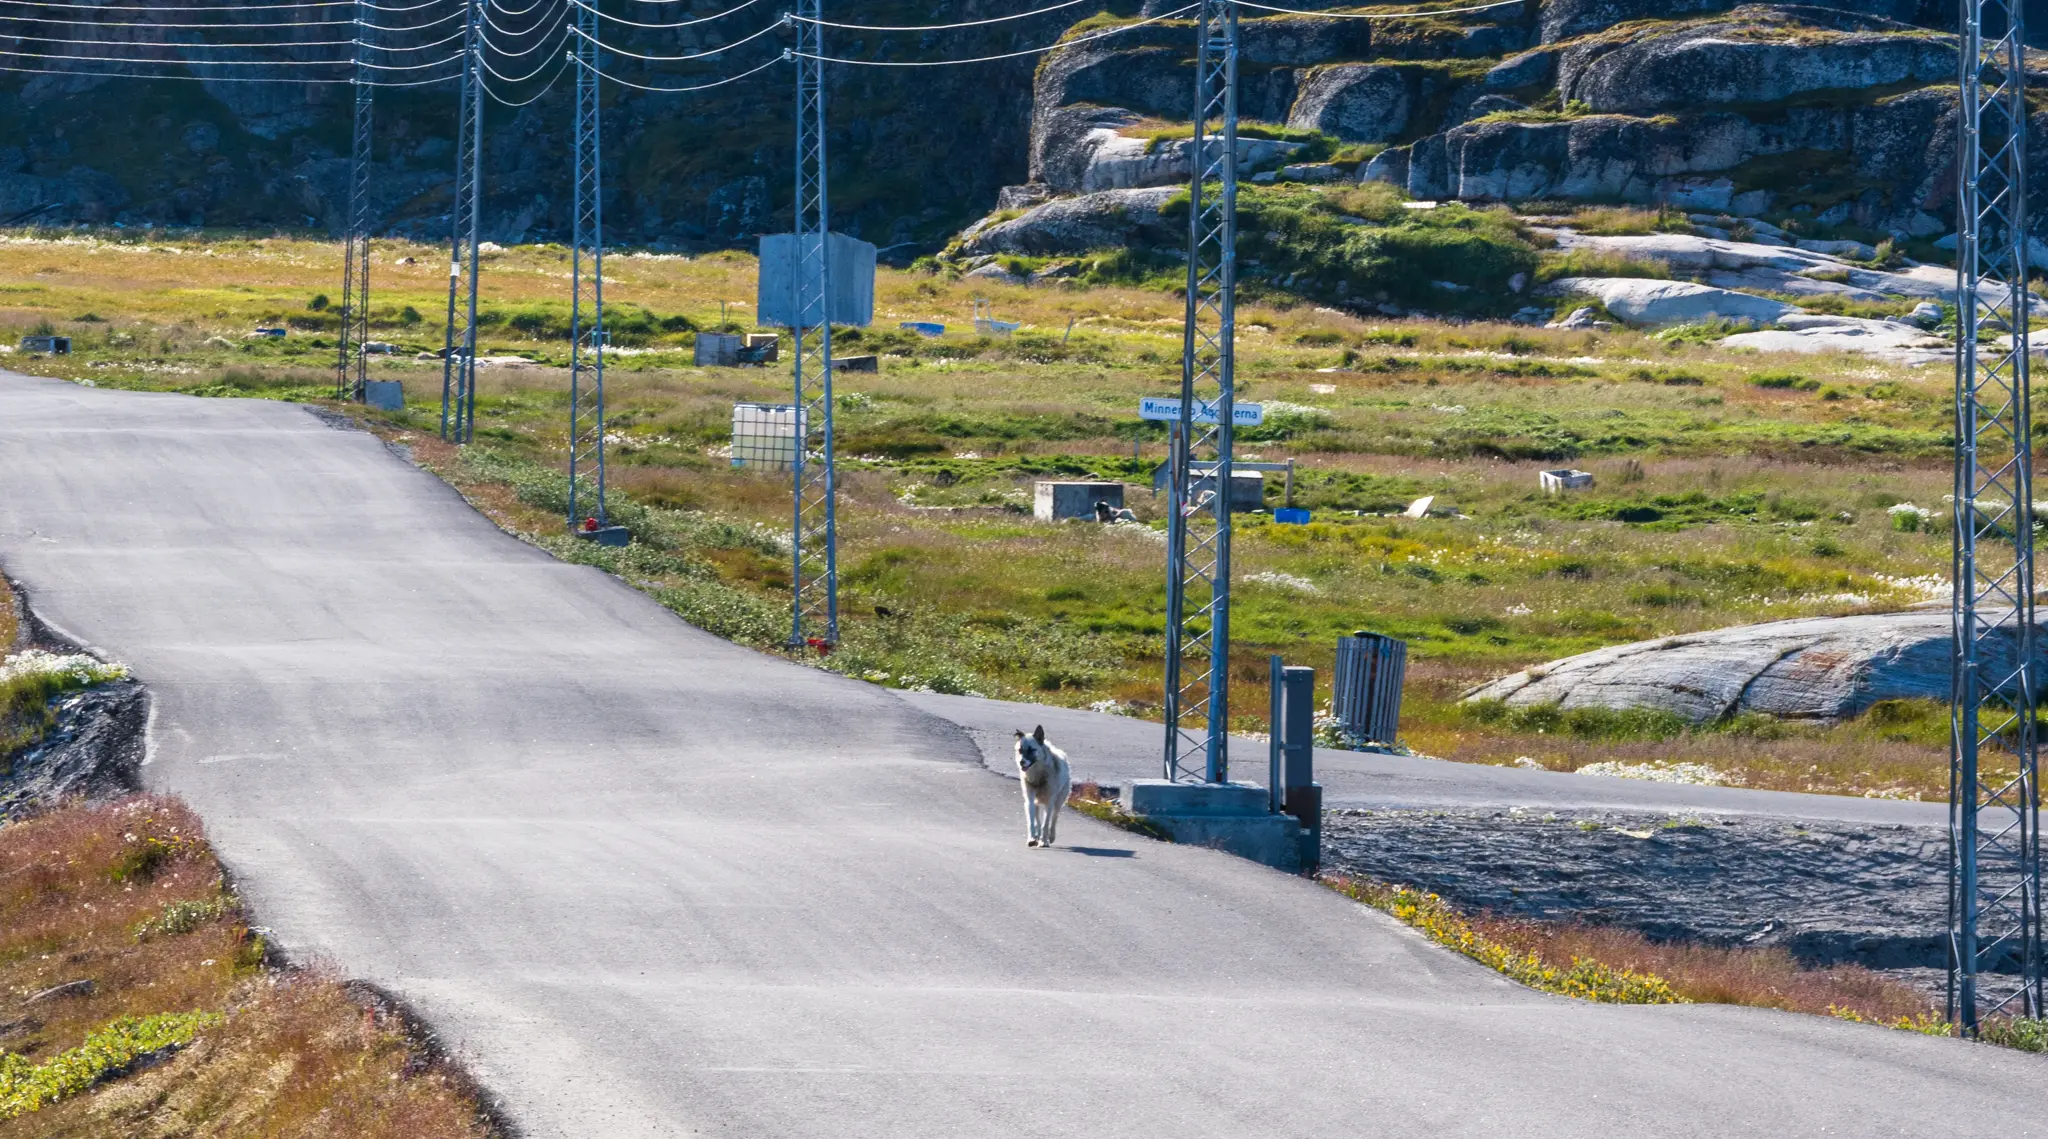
[
  {"x": 1839, "y": 122},
  {"x": 1841, "y": 115},
  {"x": 915, "y": 152}
]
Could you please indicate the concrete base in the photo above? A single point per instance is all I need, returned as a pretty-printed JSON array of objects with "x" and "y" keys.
[
  {"x": 606, "y": 536},
  {"x": 1230, "y": 817}
]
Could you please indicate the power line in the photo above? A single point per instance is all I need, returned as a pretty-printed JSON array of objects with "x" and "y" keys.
[
  {"x": 153, "y": 24},
  {"x": 179, "y": 8},
  {"x": 680, "y": 58},
  {"x": 545, "y": 22},
  {"x": 410, "y": 27},
  {"x": 171, "y": 44},
  {"x": 450, "y": 38},
  {"x": 511, "y": 78},
  {"x": 536, "y": 97},
  {"x": 592, "y": 9},
  {"x": 610, "y": 78},
  {"x": 1011, "y": 54},
  {"x": 218, "y": 26},
  {"x": 946, "y": 27},
  {"x": 1382, "y": 15},
  {"x": 529, "y": 50},
  {"x": 192, "y": 78},
  {"x": 413, "y": 66},
  {"x": 185, "y": 62}
]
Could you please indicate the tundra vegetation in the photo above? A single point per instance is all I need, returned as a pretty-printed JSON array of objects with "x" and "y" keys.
[
  {"x": 1730, "y": 487},
  {"x": 136, "y": 1001}
]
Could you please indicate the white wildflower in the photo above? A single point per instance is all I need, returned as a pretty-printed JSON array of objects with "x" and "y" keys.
[
  {"x": 1279, "y": 580},
  {"x": 80, "y": 669},
  {"x": 1697, "y": 773}
]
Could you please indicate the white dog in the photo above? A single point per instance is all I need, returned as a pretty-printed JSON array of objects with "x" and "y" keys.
[{"x": 1047, "y": 779}]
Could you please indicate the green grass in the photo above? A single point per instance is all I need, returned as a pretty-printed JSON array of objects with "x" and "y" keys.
[
  {"x": 26, "y": 1086},
  {"x": 29, "y": 683},
  {"x": 1717, "y": 500}
]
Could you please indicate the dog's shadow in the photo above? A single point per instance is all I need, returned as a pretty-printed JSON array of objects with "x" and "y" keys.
[{"x": 1099, "y": 851}]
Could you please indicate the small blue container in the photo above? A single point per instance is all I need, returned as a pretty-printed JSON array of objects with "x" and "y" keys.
[{"x": 1290, "y": 516}]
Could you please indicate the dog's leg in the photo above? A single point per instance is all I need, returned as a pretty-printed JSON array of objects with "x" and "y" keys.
[
  {"x": 1030, "y": 818},
  {"x": 1057, "y": 799}
]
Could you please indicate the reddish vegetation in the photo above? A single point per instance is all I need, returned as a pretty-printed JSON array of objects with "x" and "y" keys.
[
  {"x": 129, "y": 897},
  {"x": 1765, "y": 978}
]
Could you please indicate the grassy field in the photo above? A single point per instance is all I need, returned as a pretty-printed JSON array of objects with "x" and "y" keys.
[{"x": 1730, "y": 488}]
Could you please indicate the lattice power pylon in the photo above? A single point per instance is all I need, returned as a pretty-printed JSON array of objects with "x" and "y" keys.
[
  {"x": 586, "y": 275},
  {"x": 1198, "y": 530},
  {"x": 1994, "y": 807},
  {"x": 458, "y": 357},
  {"x": 351, "y": 366},
  {"x": 814, "y": 554}
]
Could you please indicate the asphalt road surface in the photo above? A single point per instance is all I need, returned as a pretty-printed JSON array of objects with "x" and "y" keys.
[
  {"x": 655, "y": 885},
  {"x": 1116, "y": 749}
]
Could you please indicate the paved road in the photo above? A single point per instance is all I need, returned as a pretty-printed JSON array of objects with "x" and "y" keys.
[
  {"x": 1117, "y": 749},
  {"x": 659, "y": 886}
]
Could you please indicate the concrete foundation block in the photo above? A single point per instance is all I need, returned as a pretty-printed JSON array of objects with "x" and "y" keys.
[
  {"x": 1230, "y": 817},
  {"x": 1160, "y": 797}
]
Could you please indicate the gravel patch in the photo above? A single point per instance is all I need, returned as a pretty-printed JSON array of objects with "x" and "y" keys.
[{"x": 1830, "y": 893}]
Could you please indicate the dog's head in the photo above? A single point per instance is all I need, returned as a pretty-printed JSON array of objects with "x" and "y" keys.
[{"x": 1031, "y": 749}]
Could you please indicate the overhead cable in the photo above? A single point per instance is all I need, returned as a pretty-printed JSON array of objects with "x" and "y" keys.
[
  {"x": 946, "y": 27},
  {"x": 175, "y": 44},
  {"x": 545, "y": 23},
  {"x": 535, "y": 97},
  {"x": 184, "y": 62},
  {"x": 677, "y": 58},
  {"x": 450, "y": 38},
  {"x": 177, "y": 7},
  {"x": 340, "y": 23},
  {"x": 511, "y": 78},
  {"x": 593, "y": 10},
  {"x": 410, "y": 27},
  {"x": 406, "y": 66},
  {"x": 192, "y": 78},
  {"x": 1011, "y": 54},
  {"x": 1381, "y": 15},
  {"x": 610, "y": 78},
  {"x": 490, "y": 4},
  {"x": 539, "y": 45}
]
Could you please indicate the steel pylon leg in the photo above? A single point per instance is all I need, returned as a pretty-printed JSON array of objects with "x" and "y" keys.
[
  {"x": 586, "y": 274},
  {"x": 1994, "y": 807},
  {"x": 814, "y": 553},
  {"x": 458, "y": 357},
  {"x": 1197, "y": 682},
  {"x": 351, "y": 366}
]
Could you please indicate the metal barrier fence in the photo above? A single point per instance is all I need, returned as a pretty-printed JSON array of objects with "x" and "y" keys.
[{"x": 1366, "y": 695}]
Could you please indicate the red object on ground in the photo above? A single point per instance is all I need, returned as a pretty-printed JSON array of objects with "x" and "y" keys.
[
  {"x": 818, "y": 643},
  {"x": 589, "y": 525}
]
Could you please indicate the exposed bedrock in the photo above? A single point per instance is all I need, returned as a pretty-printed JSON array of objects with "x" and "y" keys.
[
  {"x": 1362, "y": 102},
  {"x": 1071, "y": 225},
  {"x": 1808, "y": 668},
  {"x": 1763, "y": 56}
]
